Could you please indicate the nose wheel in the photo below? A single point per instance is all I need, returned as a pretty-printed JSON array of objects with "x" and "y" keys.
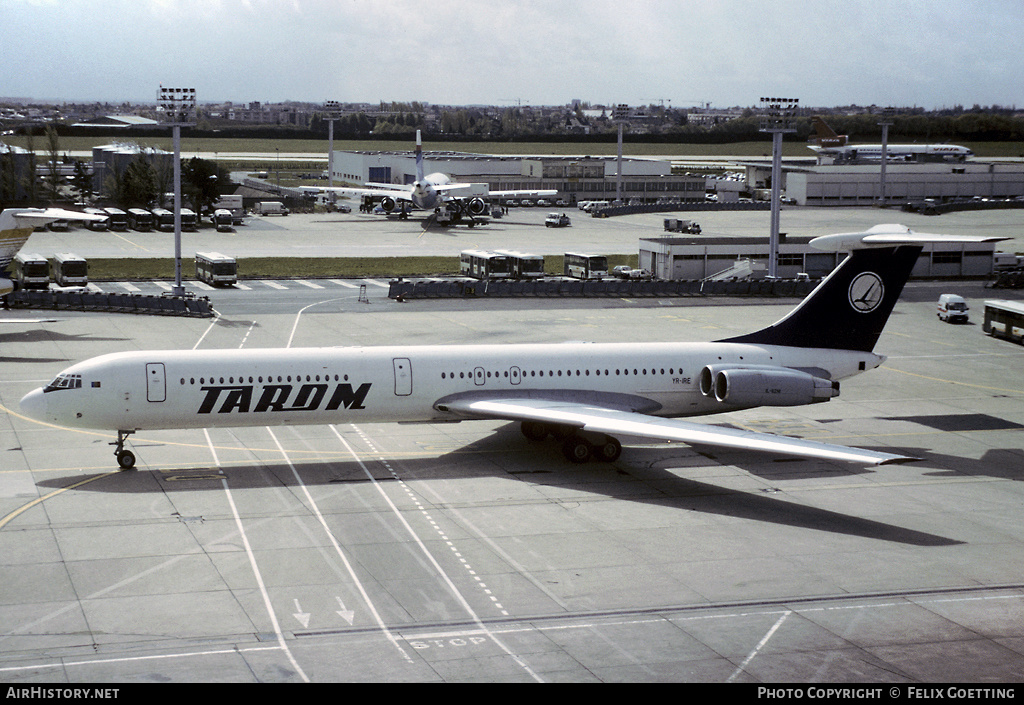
[{"x": 125, "y": 458}]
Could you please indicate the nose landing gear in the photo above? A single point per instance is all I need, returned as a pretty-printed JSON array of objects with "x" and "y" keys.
[{"x": 125, "y": 458}]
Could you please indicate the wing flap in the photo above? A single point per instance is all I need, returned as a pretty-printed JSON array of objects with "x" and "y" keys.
[{"x": 620, "y": 422}]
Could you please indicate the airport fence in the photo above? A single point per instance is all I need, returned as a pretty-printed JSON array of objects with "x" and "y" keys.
[
  {"x": 402, "y": 289},
  {"x": 682, "y": 206},
  {"x": 196, "y": 307},
  {"x": 932, "y": 208}
]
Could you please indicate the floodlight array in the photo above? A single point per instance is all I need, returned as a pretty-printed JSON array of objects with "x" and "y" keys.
[
  {"x": 176, "y": 106},
  {"x": 779, "y": 114}
]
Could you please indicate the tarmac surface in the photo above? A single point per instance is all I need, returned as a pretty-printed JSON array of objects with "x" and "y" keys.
[
  {"x": 364, "y": 235},
  {"x": 463, "y": 552}
]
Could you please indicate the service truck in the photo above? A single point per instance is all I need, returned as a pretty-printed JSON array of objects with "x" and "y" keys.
[
  {"x": 231, "y": 202},
  {"x": 271, "y": 208}
]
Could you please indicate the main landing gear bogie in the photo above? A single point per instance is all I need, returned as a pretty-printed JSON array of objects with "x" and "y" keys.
[
  {"x": 125, "y": 458},
  {"x": 578, "y": 447}
]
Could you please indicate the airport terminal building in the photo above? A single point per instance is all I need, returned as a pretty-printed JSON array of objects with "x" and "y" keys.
[{"x": 578, "y": 178}]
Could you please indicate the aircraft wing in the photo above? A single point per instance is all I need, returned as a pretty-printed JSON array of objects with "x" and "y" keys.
[
  {"x": 29, "y": 320},
  {"x": 618, "y": 421},
  {"x": 543, "y": 193},
  {"x": 397, "y": 192},
  {"x": 40, "y": 216},
  {"x": 522, "y": 193},
  {"x": 380, "y": 187}
]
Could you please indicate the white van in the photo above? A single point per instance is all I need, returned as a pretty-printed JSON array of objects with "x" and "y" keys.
[{"x": 952, "y": 308}]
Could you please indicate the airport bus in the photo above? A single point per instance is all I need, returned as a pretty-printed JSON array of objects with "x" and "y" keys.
[
  {"x": 216, "y": 269},
  {"x": 1005, "y": 319},
  {"x": 232, "y": 203},
  {"x": 70, "y": 270},
  {"x": 189, "y": 219},
  {"x": 523, "y": 265},
  {"x": 164, "y": 219},
  {"x": 140, "y": 219},
  {"x": 580, "y": 266},
  {"x": 481, "y": 264},
  {"x": 223, "y": 219},
  {"x": 117, "y": 219},
  {"x": 31, "y": 271}
]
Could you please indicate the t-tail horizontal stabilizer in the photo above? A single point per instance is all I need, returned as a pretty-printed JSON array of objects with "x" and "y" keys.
[{"x": 849, "y": 309}]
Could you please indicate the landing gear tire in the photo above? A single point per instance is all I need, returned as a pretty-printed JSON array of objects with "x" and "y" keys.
[
  {"x": 534, "y": 430},
  {"x": 577, "y": 450},
  {"x": 609, "y": 451},
  {"x": 125, "y": 458}
]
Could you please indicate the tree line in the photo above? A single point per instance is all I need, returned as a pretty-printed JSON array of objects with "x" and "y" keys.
[{"x": 144, "y": 182}]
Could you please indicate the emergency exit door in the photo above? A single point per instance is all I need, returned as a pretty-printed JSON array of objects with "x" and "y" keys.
[{"x": 156, "y": 382}]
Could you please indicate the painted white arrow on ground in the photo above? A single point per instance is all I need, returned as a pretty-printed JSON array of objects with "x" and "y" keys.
[
  {"x": 347, "y": 615},
  {"x": 303, "y": 617}
]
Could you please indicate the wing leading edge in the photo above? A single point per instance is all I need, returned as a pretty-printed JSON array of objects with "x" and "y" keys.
[{"x": 617, "y": 421}]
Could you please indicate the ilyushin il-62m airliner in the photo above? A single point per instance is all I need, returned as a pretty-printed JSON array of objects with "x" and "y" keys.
[{"x": 587, "y": 394}]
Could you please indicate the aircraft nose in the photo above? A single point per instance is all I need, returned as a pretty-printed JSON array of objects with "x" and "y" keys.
[{"x": 33, "y": 404}]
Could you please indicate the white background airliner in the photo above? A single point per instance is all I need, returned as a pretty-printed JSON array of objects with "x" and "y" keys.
[
  {"x": 434, "y": 191},
  {"x": 587, "y": 395},
  {"x": 897, "y": 152},
  {"x": 837, "y": 146}
]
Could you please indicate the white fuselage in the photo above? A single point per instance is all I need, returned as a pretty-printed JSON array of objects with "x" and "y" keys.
[
  {"x": 196, "y": 389},
  {"x": 896, "y": 152},
  {"x": 425, "y": 194}
]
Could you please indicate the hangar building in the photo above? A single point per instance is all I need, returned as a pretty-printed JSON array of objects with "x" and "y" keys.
[
  {"x": 580, "y": 178},
  {"x": 860, "y": 184},
  {"x": 111, "y": 159},
  {"x": 698, "y": 258}
]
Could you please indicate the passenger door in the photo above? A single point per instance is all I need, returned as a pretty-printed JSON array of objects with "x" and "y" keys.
[
  {"x": 403, "y": 376},
  {"x": 156, "y": 382}
]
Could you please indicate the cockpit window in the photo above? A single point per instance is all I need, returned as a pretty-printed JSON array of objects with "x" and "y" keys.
[{"x": 64, "y": 381}]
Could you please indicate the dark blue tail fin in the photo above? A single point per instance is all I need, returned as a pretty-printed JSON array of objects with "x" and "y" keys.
[{"x": 848, "y": 310}]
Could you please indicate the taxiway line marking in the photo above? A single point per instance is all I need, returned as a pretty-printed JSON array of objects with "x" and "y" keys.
[
  {"x": 127, "y": 659},
  {"x": 760, "y": 645},
  {"x": 440, "y": 571},
  {"x": 954, "y": 381},
  {"x": 430, "y": 557},
  {"x": 39, "y": 500},
  {"x": 337, "y": 548},
  {"x": 256, "y": 570}
]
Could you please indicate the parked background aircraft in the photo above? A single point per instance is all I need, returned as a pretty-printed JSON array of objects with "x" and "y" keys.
[
  {"x": 825, "y": 136},
  {"x": 837, "y": 147},
  {"x": 586, "y": 395},
  {"x": 458, "y": 202}
]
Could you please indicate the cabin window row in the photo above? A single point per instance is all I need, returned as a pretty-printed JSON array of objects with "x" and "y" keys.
[
  {"x": 567, "y": 373},
  {"x": 270, "y": 379}
]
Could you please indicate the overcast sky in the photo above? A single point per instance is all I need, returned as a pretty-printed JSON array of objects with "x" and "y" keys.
[{"x": 929, "y": 53}]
